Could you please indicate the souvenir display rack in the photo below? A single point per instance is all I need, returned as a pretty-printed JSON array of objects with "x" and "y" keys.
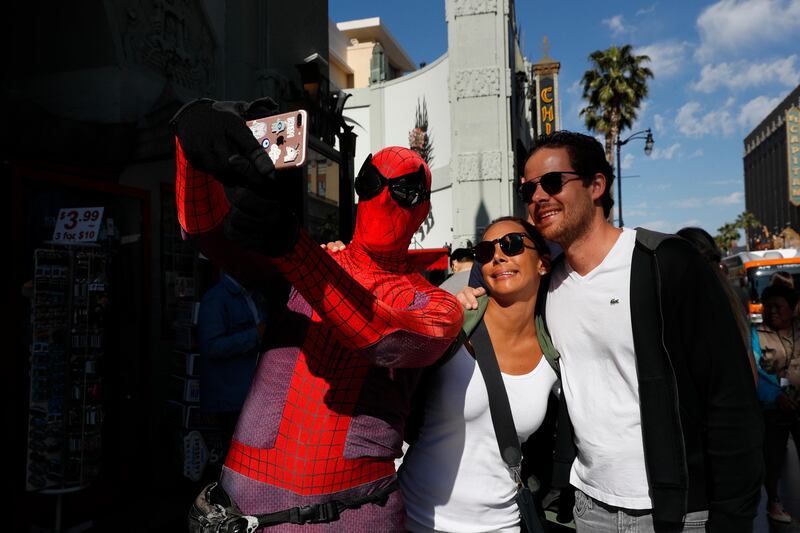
[{"x": 69, "y": 304}]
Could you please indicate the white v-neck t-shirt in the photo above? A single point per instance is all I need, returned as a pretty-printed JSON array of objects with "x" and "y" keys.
[{"x": 589, "y": 318}]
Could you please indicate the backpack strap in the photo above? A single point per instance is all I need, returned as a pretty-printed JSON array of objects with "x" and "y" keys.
[
  {"x": 472, "y": 317},
  {"x": 545, "y": 342}
]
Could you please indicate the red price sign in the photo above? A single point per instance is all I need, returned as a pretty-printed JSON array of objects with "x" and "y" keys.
[{"x": 75, "y": 225}]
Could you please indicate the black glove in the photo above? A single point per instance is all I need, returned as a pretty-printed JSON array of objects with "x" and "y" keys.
[
  {"x": 261, "y": 223},
  {"x": 215, "y": 139}
]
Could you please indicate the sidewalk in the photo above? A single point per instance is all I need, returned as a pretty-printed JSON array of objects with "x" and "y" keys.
[{"x": 790, "y": 495}]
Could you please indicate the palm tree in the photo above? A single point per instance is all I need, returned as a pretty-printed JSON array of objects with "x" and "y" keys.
[
  {"x": 614, "y": 88},
  {"x": 747, "y": 221},
  {"x": 727, "y": 237}
]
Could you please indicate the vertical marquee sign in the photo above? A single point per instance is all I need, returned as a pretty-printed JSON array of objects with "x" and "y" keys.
[
  {"x": 546, "y": 105},
  {"x": 793, "y": 152},
  {"x": 545, "y": 74}
]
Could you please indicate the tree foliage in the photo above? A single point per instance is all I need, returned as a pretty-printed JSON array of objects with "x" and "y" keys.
[
  {"x": 614, "y": 89},
  {"x": 728, "y": 234}
]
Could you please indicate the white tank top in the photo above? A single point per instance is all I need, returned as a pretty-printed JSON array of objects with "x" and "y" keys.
[{"x": 453, "y": 478}]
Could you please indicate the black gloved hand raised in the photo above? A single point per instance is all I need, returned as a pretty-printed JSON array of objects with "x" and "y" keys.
[{"x": 215, "y": 139}]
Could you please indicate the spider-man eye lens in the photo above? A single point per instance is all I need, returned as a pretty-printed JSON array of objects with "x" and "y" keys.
[
  {"x": 407, "y": 190},
  {"x": 410, "y": 189},
  {"x": 369, "y": 182}
]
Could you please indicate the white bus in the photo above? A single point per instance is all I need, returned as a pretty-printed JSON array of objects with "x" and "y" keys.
[{"x": 750, "y": 274}]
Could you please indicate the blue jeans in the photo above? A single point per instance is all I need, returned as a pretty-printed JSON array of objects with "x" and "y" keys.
[{"x": 592, "y": 516}]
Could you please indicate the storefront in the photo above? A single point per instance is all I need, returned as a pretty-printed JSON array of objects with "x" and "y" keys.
[{"x": 81, "y": 248}]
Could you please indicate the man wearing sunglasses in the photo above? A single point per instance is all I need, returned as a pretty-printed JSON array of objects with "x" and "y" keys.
[
  {"x": 660, "y": 425},
  {"x": 654, "y": 372},
  {"x": 323, "y": 420}
]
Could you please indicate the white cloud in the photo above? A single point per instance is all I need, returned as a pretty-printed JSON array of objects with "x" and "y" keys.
[
  {"x": 687, "y": 203},
  {"x": 646, "y": 10},
  {"x": 616, "y": 25},
  {"x": 725, "y": 182},
  {"x": 730, "y": 199},
  {"x": 697, "y": 153},
  {"x": 740, "y": 75},
  {"x": 666, "y": 58},
  {"x": 715, "y": 121},
  {"x": 665, "y": 153},
  {"x": 576, "y": 88},
  {"x": 756, "y": 110},
  {"x": 627, "y": 161},
  {"x": 658, "y": 225},
  {"x": 695, "y": 202},
  {"x": 658, "y": 123},
  {"x": 734, "y": 25}
]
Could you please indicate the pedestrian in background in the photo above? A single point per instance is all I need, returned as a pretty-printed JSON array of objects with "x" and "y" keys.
[
  {"x": 705, "y": 244},
  {"x": 461, "y": 261},
  {"x": 776, "y": 344},
  {"x": 230, "y": 326}
]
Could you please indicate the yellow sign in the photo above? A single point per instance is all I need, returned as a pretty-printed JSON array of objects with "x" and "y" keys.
[
  {"x": 547, "y": 105},
  {"x": 793, "y": 152}
]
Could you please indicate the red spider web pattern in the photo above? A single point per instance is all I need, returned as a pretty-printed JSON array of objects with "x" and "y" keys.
[
  {"x": 348, "y": 315},
  {"x": 352, "y": 310},
  {"x": 202, "y": 204},
  {"x": 308, "y": 455},
  {"x": 396, "y": 161}
]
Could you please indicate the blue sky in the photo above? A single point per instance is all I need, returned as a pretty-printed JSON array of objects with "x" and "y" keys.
[{"x": 719, "y": 68}]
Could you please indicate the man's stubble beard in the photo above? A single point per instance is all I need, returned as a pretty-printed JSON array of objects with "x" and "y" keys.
[{"x": 576, "y": 224}]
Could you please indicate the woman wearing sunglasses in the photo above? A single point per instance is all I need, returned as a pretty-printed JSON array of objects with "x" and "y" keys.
[{"x": 453, "y": 477}]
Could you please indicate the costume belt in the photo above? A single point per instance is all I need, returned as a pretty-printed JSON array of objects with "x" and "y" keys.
[{"x": 214, "y": 511}]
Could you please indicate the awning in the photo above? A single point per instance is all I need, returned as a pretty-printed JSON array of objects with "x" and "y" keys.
[{"x": 429, "y": 258}]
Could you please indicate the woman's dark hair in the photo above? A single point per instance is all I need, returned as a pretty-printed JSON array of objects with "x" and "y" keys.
[
  {"x": 780, "y": 291},
  {"x": 462, "y": 254},
  {"x": 586, "y": 155},
  {"x": 704, "y": 243},
  {"x": 530, "y": 231}
]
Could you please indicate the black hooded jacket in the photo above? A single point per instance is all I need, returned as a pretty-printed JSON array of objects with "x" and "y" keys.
[{"x": 701, "y": 423}]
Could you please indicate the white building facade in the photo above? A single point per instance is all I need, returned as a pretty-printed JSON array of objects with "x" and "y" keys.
[{"x": 477, "y": 100}]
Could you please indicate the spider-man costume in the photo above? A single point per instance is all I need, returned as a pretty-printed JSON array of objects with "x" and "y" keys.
[{"x": 325, "y": 413}]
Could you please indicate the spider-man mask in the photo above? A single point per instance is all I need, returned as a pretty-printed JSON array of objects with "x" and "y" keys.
[{"x": 394, "y": 190}]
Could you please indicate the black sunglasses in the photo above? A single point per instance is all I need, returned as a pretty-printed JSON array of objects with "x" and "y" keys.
[
  {"x": 511, "y": 244},
  {"x": 551, "y": 183},
  {"x": 407, "y": 190}
]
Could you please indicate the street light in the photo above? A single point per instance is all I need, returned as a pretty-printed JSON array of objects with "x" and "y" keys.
[{"x": 648, "y": 149}]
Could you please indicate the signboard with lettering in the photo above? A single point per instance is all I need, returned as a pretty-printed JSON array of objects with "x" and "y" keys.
[
  {"x": 77, "y": 225},
  {"x": 546, "y": 120},
  {"x": 793, "y": 152}
]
